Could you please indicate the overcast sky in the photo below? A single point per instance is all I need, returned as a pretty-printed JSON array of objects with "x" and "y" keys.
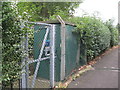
[{"x": 108, "y": 9}]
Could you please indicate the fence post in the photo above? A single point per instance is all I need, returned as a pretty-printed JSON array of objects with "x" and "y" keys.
[
  {"x": 62, "y": 75},
  {"x": 25, "y": 71},
  {"x": 52, "y": 56},
  {"x": 26, "y": 61}
]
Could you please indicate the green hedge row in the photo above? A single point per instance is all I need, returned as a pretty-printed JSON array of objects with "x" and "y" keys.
[
  {"x": 11, "y": 41},
  {"x": 114, "y": 33},
  {"x": 95, "y": 35}
]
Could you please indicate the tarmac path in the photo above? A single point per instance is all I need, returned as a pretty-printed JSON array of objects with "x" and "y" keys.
[{"x": 104, "y": 75}]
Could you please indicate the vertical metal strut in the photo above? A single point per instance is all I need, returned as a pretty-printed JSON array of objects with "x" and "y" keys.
[
  {"x": 52, "y": 55},
  {"x": 62, "y": 75},
  {"x": 24, "y": 80}
]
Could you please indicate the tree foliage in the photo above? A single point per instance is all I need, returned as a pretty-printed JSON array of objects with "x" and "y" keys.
[{"x": 40, "y": 11}]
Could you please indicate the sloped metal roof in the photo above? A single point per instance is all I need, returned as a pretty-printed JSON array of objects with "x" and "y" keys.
[{"x": 56, "y": 22}]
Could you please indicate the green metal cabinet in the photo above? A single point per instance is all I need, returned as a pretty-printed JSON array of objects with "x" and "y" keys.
[{"x": 71, "y": 50}]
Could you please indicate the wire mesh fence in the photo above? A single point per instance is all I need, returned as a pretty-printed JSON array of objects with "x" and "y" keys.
[
  {"x": 39, "y": 82},
  {"x": 39, "y": 68}
]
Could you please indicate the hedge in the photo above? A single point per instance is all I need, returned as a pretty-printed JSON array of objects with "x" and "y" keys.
[
  {"x": 11, "y": 53},
  {"x": 114, "y": 32},
  {"x": 94, "y": 35}
]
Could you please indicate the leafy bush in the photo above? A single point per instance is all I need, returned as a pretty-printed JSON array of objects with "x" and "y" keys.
[
  {"x": 14, "y": 28},
  {"x": 11, "y": 37},
  {"x": 93, "y": 34},
  {"x": 113, "y": 31}
]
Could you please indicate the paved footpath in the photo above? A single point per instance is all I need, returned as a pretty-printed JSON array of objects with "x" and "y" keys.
[{"x": 104, "y": 75}]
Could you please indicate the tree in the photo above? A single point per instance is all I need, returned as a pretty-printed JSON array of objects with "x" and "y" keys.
[{"x": 40, "y": 11}]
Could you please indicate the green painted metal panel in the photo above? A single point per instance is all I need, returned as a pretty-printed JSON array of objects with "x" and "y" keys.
[
  {"x": 44, "y": 65},
  {"x": 71, "y": 51},
  {"x": 38, "y": 38}
]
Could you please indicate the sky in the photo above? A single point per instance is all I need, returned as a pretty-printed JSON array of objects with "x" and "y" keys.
[{"x": 108, "y": 9}]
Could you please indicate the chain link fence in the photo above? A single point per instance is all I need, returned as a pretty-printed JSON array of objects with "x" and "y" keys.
[{"x": 39, "y": 54}]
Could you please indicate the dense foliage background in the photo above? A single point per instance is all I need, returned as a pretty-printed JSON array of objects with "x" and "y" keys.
[
  {"x": 114, "y": 32},
  {"x": 11, "y": 38},
  {"x": 96, "y": 35},
  {"x": 40, "y": 11}
]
